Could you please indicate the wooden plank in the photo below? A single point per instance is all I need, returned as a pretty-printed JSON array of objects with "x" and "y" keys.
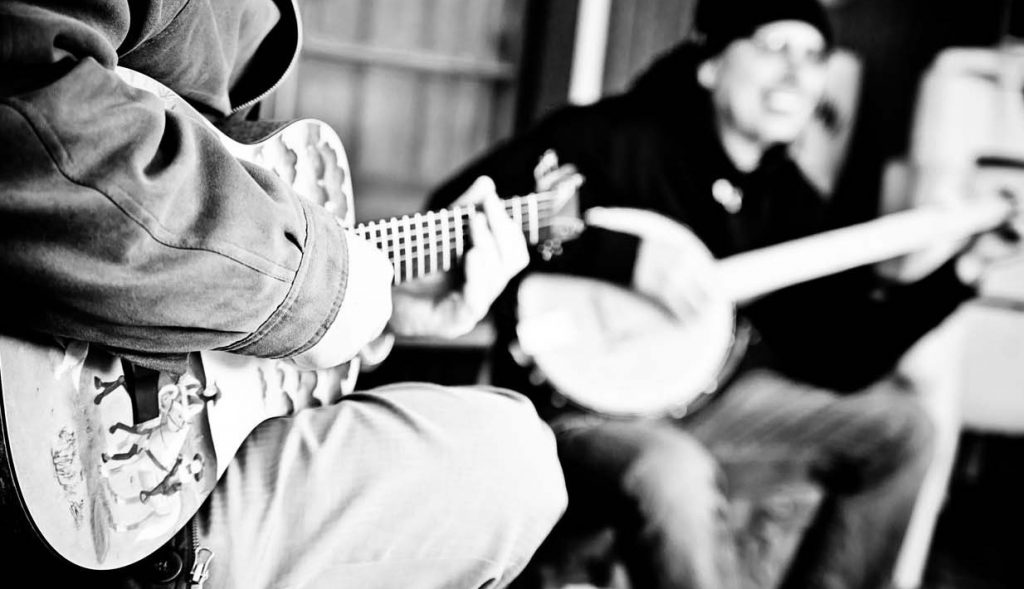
[
  {"x": 641, "y": 30},
  {"x": 410, "y": 85},
  {"x": 480, "y": 136},
  {"x": 647, "y": 17},
  {"x": 460, "y": 121},
  {"x": 466, "y": 109},
  {"x": 512, "y": 47},
  {"x": 481, "y": 31},
  {"x": 329, "y": 92},
  {"x": 441, "y": 109},
  {"x": 396, "y": 24},
  {"x": 446, "y": 35},
  {"x": 339, "y": 19},
  {"x": 620, "y": 40},
  {"x": 409, "y": 59},
  {"x": 391, "y": 102}
]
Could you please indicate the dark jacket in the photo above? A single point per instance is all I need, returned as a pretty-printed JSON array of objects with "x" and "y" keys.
[
  {"x": 127, "y": 225},
  {"x": 655, "y": 148}
]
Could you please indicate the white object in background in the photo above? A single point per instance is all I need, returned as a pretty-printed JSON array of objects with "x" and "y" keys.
[
  {"x": 993, "y": 372},
  {"x": 821, "y": 149},
  {"x": 586, "y": 79}
]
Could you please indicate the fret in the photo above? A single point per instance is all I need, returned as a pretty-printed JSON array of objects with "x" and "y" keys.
[
  {"x": 531, "y": 217},
  {"x": 369, "y": 232},
  {"x": 391, "y": 230},
  {"x": 517, "y": 213},
  {"x": 433, "y": 241},
  {"x": 406, "y": 231},
  {"x": 421, "y": 246},
  {"x": 378, "y": 235},
  {"x": 446, "y": 252},
  {"x": 459, "y": 238}
]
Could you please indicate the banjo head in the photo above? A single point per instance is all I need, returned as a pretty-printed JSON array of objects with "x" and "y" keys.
[{"x": 610, "y": 350}]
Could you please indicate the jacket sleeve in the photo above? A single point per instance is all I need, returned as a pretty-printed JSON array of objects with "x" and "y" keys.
[
  {"x": 128, "y": 225},
  {"x": 849, "y": 330}
]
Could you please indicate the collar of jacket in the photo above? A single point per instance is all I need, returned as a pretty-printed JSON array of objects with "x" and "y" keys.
[{"x": 273, "y": 61}]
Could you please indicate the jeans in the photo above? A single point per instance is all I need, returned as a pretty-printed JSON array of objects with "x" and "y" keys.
[
  {"x": 410, "y": 486},
  {"x": 664, "y": 484}
]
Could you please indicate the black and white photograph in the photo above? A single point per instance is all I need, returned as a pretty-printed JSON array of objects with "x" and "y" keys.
[{"x": 525, "y": 294}]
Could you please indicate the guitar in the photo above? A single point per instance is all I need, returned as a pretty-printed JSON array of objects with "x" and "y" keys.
[{"x": 110, "y": 460}]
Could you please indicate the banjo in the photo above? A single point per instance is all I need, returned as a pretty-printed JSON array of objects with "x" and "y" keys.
[{"x": 609, "y": 350}]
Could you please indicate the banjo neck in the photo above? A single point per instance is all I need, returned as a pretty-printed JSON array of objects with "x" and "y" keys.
[{"x": 750, "y": 275}]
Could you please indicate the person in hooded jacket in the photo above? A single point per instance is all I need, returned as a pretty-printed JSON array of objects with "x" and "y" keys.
[{"x": 702, "y": 138}]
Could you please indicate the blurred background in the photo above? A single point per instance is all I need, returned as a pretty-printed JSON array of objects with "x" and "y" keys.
[{"x": 416, "y": 88}]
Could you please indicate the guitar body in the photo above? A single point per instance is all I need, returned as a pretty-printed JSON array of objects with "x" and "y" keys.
[
  {"x": 98, "y": 484},
  {"x": 107, "y": 464}
]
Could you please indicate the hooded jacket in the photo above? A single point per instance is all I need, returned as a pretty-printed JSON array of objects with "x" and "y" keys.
[
  {"x": 655, "y": 147},
  {"x": 127, "y": 225}
]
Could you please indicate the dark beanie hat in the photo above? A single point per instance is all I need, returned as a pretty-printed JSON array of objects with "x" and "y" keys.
[{"x": 720, "y": 22}]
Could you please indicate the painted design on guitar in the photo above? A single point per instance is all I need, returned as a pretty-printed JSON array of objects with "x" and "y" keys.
[
  {"x": 107, "y": 387},
  {"x": 144, "y": 465},
  {"x": 68, "y": 470}
]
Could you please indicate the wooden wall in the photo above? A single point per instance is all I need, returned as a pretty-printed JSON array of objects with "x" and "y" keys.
[
  {"x": 414, "y": 88},
  {"x": 640, "y": 30}
]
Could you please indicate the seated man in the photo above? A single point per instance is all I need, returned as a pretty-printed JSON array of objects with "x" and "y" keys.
[
  {"x": 128, "y": 225},
  {"x": 701, "y": 138}
]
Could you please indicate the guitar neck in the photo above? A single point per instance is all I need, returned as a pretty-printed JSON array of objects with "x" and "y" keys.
[
  {"x": 435, "y": 241},
  {"x": 752, "y": 274}
]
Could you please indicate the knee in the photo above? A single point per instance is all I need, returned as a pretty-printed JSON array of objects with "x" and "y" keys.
[
  {"x": 671, "y": 475},
  {"x": 913, "y": 435},
  {"x": 519, "y": 468},
  {"x": 906, "y": 445}
]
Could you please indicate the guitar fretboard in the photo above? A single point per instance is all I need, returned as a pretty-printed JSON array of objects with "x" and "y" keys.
[{"x": 435, "y": 241}]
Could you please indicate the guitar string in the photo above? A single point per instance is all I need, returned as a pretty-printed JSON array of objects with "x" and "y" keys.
[
  {"x": 409, "y": 260},
  {"x": 397, "y": 235},
  {"x": 413, "y": 243},
  {"x": 414, "y": 246},
  {"x": 436, "y": 242},
  {"x": 395, "y": 223},
  {"x": 412, "y": 233}
]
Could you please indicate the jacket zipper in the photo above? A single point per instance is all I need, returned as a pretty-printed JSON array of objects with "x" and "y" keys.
[
  {"x": 201, "y": 558},
  {"x": 287, "y": 70}
]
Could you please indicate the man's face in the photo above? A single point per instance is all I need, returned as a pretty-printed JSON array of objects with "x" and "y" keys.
[{"x": 767, "y": 86}]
